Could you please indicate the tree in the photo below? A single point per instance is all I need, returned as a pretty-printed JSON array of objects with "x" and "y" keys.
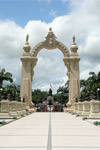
[
  {"x": 62, "y": 94},
  {"x": 5, "y": 76},
  {"x": 39, "y": 96},
  {"x": 12, "y": 91},
  {"x": 89, "y": 87}
]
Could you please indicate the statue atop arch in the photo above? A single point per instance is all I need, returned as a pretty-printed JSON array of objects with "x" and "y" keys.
[{"x": 27, "y": 38}]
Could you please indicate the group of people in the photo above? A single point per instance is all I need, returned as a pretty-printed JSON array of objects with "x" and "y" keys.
[{"x": 50, "y": 108}]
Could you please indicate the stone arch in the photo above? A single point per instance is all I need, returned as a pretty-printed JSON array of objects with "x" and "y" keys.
[
  {"x": 71, "y": 61},
  {"x": 50, "y": 43}
]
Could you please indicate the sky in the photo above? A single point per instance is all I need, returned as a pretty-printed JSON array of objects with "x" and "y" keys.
[{"x": 34, "y": 17}]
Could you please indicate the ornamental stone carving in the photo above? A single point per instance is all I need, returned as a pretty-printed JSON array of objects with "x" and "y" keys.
[
  {"x": 71, "y": 61},
  {"x": 50, "y": 42}
]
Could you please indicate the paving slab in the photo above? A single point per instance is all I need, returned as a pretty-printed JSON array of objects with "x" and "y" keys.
[{"x": 65, "y": 132}]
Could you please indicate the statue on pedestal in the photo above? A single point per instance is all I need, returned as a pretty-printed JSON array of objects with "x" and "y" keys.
[{"x": 50, "y": 92}]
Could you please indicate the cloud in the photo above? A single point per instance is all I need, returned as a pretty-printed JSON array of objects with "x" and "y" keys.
[
  {"x": 47, "y": 70},
  {"x": 47, "y": 1},
  {"x": 83, "y": 21},
  {"x": 90, "y": 48},
  {"x": 53, "y": 13}
]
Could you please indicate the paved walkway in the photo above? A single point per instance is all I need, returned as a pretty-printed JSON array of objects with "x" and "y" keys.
[{"x": 45, "y": 131}]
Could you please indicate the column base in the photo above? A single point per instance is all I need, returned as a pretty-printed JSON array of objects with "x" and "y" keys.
[
  {"x": 68, "y": 110},
  {"x": 13, "y": 113},
  {"x": 79, "y": 112},
  {"x": 75, "y": 111},
  {"x": 23, "y": 111},
  {"x": 19, "y": 112},
  {"x": 94, "y": 115},
  {"x": 85, "y": 113},
  {"x": 32, "y": 110},
  {"x": 4, "y": 114}
]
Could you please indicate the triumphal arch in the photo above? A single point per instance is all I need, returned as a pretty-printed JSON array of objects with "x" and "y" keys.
[{"x": 29, "y": 60}]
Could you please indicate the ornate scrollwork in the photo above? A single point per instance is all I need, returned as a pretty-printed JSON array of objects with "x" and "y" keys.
[{"x": 50, "y": 43}]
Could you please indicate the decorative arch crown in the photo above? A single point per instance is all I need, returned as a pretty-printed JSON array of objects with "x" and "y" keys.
[{"x": 50, "y": 43}]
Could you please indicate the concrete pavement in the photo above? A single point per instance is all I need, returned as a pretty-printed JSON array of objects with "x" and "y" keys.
[{"x": 42, "y": 131}]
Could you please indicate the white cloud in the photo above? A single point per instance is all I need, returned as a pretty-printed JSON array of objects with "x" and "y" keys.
[
  {"x": 83, "y": 21},
  {"x": 53, "y": 13}
]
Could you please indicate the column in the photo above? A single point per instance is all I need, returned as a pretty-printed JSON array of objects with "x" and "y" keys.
[
  {"x": 28, "y": 63},
  {"x": 74, "y": 73}
]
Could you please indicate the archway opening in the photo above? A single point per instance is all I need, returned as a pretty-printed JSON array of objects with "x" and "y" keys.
[{"x": 50, "y": 70}]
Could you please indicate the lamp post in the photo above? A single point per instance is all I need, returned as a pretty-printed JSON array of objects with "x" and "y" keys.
[
  {"x": 98, "y": 94},
  {"x": 23, "y": 100},
  {"x": 19, "y": 99},
  {"x": 5, "y": 96}
]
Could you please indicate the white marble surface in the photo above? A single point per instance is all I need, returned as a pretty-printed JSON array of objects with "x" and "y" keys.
[{"x": 68, "y": 132}]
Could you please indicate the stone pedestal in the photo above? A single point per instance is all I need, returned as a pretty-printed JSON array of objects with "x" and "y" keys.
[
  {"x": 95, "y": 109},
  {"x": 24, "y": 108},
  {"x": 4, "y": 108},
  {"x": 69, "y": 109},
  {"x": 32, "y": 110},
  {"x": 86, "y": 108},
  {"x": 75, "y": 108},
  {"x": 80, "y": 107},
  {"x": 13, "y": 108},
  {"x": 19, "y": 108}
]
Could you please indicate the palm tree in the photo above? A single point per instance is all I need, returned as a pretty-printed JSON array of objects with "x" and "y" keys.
[
  {"x": 12, "y": 90},
  {"x": 5, "y": 76}
]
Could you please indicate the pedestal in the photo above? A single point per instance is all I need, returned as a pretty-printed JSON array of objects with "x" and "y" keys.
[
  {"x": 13, "y": 108},
  {"x": 69, "y": 109},
  {"x": 19, "y": 108},
  {"x": 95, "y": 109},
  {"x": 80, "y": 108},
  {"x": 4, "y": 108},
  {"x": 75, "y": 108},
  {"x": 24, "y": 108},
  {"x": 86, "y": 108}
]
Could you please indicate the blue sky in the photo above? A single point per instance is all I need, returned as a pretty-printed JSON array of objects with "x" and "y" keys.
[
  {"x": 22, "y": 11},
  {"x": 34, "y": 17}
]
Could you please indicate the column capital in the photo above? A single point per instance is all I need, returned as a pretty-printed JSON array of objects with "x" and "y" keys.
[
  {"x": 29, "y": 58},
  {"x": 26, "y": 47},
  {"x": 74, "y": 58},
  {"x": 74, "y": 48},
  {"x": 66, "y": 61}
]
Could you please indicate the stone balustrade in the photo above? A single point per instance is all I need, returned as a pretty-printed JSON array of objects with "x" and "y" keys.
[
  {"x": 12, "y": 108},
  {"x": 88, "y": 108}
]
